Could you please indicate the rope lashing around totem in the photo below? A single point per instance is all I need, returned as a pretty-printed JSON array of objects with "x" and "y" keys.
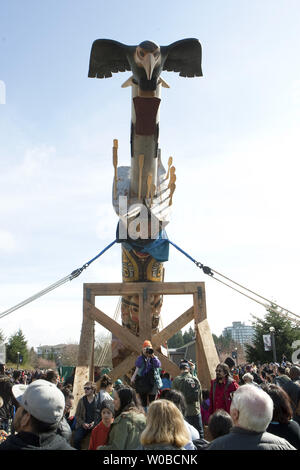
[
  {"x": 59, "y": 283},
  {"x": 213, "y": 273}
]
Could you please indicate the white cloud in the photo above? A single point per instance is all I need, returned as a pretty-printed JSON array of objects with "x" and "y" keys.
[
  {"x": 7, "y": 242},
  {"x": 36, "y": 159}
]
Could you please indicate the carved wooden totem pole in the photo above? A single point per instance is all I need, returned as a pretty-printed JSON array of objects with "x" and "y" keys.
[{"x": 143, "y": 191}]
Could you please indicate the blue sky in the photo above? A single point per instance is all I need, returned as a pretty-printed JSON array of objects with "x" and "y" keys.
[{"x": 233, "y": 135}]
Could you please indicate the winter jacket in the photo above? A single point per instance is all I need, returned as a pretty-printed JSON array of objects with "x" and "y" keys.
[
  {"x": 192, "y": 409},
  {"x": 145, "y": 365},
  {"x": 29, "y": 441},
  {"x": 220, "y": 395},
  {"x": 64, "y": 429},
  {"x": 99, "y": 436},
  {"x": 291, "y": 388},
  {"x": 242, "y": 439},
  {"x": 289, "y": 431},
  {"x": 125, "y": 431},
  {"x": 81, "y": 412}
]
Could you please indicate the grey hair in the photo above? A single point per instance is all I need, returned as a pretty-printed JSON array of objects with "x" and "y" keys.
[
  {"x": 255, "y": 408},
  {"x": 248, "y": 376}
]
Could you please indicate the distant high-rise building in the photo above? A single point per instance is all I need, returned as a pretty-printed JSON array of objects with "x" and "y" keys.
[{"x": 239, "y": 332}]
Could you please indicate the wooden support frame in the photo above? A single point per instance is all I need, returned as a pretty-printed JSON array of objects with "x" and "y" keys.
[{"x": 206, "y": 354}]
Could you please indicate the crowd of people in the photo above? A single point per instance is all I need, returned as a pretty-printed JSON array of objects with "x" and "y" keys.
[{"x": 249, "y": 407}]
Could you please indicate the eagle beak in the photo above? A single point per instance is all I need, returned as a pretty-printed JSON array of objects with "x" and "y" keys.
[{"x": 149, "y": 64}]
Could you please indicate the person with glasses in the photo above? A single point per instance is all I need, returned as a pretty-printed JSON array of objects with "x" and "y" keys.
[{"x": 85, "y": 414}]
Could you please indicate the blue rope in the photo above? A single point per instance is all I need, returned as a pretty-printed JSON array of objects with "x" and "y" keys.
[
  {"x": 206, "y": 269},
  {"x": 179, "y": 249},
  {"x": 78, "y": 271}
]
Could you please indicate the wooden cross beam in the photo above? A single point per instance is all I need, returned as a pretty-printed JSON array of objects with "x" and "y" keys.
[
  {"x": 205, "y": 351},
  {"x": 134, "y": 343}
]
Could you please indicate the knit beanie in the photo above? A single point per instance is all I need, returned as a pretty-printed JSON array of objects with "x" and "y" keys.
[{"x": 109, "y": 405}]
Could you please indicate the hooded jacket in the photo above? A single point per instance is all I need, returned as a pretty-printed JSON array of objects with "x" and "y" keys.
[{"x": 125, "y": 431}]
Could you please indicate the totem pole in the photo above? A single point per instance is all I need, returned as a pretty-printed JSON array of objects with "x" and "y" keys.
[{"x": 143, "y": 192}]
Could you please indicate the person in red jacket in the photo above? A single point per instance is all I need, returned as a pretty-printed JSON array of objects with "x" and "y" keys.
[
  {"x": 221, "y": 389},
  {"x": 100, "y": 433}
]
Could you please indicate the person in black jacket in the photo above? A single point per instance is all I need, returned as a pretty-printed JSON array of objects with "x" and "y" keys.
[
  {"x": 41, "y": 407},
  {"x": 290, "y": 387},
  {"x": 9, "y": 402},
  {"x": 282, "y": 424},
  {"x": 251, "y": 412}
]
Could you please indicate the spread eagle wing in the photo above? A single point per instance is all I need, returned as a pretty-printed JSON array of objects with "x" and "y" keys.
[
  {"x": 107, "y": 57},
  {"x": 183, "y": 56}
]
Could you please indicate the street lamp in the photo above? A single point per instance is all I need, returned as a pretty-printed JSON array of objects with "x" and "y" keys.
[
  {"x": 272, "y": 331},
  {"x": 236, "y": 355},
  {"x": 18, "y": 360}
]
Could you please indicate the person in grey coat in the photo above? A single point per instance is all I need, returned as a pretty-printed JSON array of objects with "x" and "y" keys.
[{"x": 251, "y": 411}]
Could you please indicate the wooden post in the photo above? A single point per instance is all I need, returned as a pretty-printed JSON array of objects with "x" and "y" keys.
[
  {"x": 85, "y": 369},
  {"x": 206, "y": 354},
  {"x": 145, "y": 314}
]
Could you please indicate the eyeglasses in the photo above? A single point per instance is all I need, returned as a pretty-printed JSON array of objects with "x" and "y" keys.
[{"x": 87, "y": 388}]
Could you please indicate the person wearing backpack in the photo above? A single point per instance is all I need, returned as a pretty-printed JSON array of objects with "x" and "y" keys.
[
  {"x": 221, "y": 389},
  {"x": 190, "y": 387}
]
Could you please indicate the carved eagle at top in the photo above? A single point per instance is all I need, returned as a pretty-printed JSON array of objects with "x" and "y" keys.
[{"x": 146, "y": 61}]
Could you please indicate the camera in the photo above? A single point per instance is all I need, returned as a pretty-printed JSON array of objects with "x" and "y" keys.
[{"x": 149, "y": 350}]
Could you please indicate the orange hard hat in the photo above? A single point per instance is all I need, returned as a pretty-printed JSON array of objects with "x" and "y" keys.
[{"x": 147, "y": 344}]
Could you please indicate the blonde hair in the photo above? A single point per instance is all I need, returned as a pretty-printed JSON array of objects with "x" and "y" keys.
[{"x": 165, "y": 424}]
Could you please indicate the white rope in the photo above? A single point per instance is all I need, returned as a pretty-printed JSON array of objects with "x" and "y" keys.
[
  {"x": 106, "y": 343},
  {"x": 37, "y": 296},
  {"x": 62, "y": 281},
  {"x": 257, "y": 295},
  {"x": 271, "y": 306},
  {"x": 209, "y": 271}
]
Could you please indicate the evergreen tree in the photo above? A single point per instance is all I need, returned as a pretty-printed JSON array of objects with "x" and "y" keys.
[
  {"x": 188, "y": 336},
  {"x": 286, "y": 331},
  {"x": 17, "y": 343},
  {"x": 33, "y": 357},
  {"x": 176, "y": 341}
]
